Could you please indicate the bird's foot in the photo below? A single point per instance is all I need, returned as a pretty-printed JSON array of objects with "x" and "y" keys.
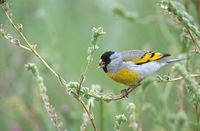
[{"x": 125, "y": 92}]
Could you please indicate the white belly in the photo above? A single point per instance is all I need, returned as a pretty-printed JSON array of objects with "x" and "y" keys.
[{"x": 146, "y": 69}]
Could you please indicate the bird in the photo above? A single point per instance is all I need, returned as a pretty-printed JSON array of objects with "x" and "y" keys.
[{"x": 130, "y": 67}]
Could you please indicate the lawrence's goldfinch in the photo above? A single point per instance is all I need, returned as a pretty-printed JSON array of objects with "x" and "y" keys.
[{"x": 130, "y": 67}]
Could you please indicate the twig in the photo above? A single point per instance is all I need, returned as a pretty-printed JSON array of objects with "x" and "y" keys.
[
  {"x": 192, "y": 86},
  {"x": 101, "y": 113},
  {"x": 18, "y": 31},
  {"x": 198, "y": 10},
  {"x": 193, "y": 40},
  {"x": 27, "y": 43},
  {"x": 50, "y": 109},
  {"x": 180, "y": 95},
  {"x": 87, "y": 111},
  {"x": 161, "y": 79},
  {"x": 91, "y": 51},
  {"x": 177, "y": 10},
  {"x": 84, "y": 124},
  {"x": 12, "y": 39},
  {"x": 85, "y": 94}
]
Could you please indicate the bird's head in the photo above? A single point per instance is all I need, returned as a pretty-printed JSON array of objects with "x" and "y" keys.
[{"x": 105, "y": 60}]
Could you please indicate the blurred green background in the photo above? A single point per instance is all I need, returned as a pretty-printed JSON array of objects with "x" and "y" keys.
[{"x": 62, "y": 32}]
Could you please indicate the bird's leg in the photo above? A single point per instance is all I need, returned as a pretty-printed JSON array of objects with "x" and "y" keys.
[{"x": 126, "y": 91}]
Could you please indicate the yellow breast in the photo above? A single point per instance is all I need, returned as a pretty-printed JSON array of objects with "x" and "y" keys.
[{"x": 124, "y": 76}]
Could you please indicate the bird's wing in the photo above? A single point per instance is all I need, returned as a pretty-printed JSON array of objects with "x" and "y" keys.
[{"x": 141, "y": 56}]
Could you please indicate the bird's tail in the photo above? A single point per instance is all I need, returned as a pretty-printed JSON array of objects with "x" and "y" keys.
[
  {"x": 175, "y": 60},
  {"x": 179, "y": 58}
]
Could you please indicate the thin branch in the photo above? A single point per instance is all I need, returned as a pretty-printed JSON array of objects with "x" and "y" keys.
[
  {"x": 180, "y": 95},
  {"x": 193, "y": 40},
  {"x": 101, "y": 115},
  {"x": 91, "y": 51},
  {"x": 176, "y": 10},
  {"x": 121, "y": 96},
  {"x": 88, "y": 112},
  {"x": 50, "y": 109},
  {"x": 12, "y": 39},
  {"x": 161, "y": 79},
  {"x": 18, "y": 31},
  {"x": 99, "y": 96},
  {"x": 27, "y": 43},
  {"x": 108, "y": 97},
  {"x": 198, "y": 10}
]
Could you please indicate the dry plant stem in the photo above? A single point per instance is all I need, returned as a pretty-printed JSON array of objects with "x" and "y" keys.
[
  {"x": 24, "y": 47},
  {"x": 193, "y": 40},
  {"x": 110, "y": 98},
  {"x": 185, "y": 3},
  {"x": 180, "y": 95},
  {"x": 117, "y": 97},
  {"x": 28, "y": 44},
  {"x": 198, "y": 10},
  {"x": 88, "y": 112},
  {"x": 12, "y": 39},
  {"x": 178, "y": 78},
  {"x": 176, "y": 9},
  {"x": 101, "y": 115},
  {"x": 93, "y": 42},
  {"x": 83, "y": 77},
  {"x": 44, "y": 62},
  {"x": 81, "y": 82},
  {"x": 121, "y": 96},
  {"x": 196, "y": 111},
  {"x": 45, "y": 98}
]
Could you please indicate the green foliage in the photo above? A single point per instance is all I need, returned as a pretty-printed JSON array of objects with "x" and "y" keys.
[
  {"x": 178, "y": 10},
  {"x": 61, "y": 31}
]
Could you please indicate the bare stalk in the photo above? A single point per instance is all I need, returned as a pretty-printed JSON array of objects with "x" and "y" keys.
[
  {"x": 88, "y": 112},
  {"x": 160, "y": 79},
  {"x": 91, "y": 51},
  {"x": 198, "y": 10},
  {"x": 32, "y": 49},
  {"x": 101, "y": 113},
  {"x": 194, "y": 41},
  {"x": 18, "y": 31}
]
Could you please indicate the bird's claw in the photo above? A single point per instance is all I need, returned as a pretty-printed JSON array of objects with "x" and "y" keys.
[{"x": 125, "y": 92}]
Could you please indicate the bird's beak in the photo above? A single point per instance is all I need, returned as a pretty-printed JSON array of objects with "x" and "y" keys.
[{"x": 101, "y": 64}]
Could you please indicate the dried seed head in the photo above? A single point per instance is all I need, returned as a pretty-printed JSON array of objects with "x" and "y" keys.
[{"x": 20, "y": 27}]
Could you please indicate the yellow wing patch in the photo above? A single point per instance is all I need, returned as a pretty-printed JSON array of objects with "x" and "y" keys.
[
  {"x": 149, "y": 56},
  {"x": 124, "y": 76},
  {"x": 156, "y": 56},
  {"x": 143, "y": 59}
]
